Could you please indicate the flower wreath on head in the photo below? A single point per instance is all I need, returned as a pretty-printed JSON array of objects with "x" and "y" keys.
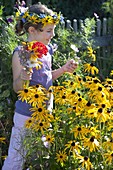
[{"x": 41, "y": 18}]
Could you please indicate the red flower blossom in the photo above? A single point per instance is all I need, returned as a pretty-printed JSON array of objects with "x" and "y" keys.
[{"x": 39, "y": 49}]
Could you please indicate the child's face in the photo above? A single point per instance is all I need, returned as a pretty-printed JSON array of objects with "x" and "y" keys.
[{"x": 47, "y": 34}]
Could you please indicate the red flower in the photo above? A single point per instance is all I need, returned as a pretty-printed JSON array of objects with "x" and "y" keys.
[{"x": 39, "y": 49}]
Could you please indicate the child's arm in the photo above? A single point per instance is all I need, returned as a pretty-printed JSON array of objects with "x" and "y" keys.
[{"x": 19, "y": 73}]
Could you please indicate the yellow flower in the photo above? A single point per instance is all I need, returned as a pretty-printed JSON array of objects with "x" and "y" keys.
[
  {"x": 90, "y": 68},
  {"x": 33, "y": 19},
  {"x": 61, "y": 98},
  {"x": 91, "y": 53},
  {"x": 50, "y": 138},
  {"x": 111, "y": 74},
  {"x": 85, "y": 161},
  {"x": 73, "y": 147},
  {"x": 2, "y": 140},
  {"x": 40, "y": 126},
  {"x": 37, "y": 97},
  {"x": 61, "y": 157},
  {"x": 41, "y": 113},
  {"x": 109, "y": 157},
  {"x": 79, "y": 131},
  {"x": 25, "y": 94},
  {"x": 29, "y": 123},
  {"x": 109, "y": 143},
  {"x": 102, "y": 115},
  {"x": 91, "y": 143}
]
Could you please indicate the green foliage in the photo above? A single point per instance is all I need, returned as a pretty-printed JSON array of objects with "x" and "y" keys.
[
  {"x": 9, "y": 6},
  {"x": 108, "y": 7},
  {"x": 8, "y": 42},
  {"x": 75, "y": 9}
]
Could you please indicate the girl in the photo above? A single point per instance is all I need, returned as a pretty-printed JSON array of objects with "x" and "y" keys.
[{"x": 39, "y": 23}]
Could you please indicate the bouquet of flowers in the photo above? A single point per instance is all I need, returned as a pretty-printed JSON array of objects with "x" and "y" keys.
[{"x": 30, "y": 53}]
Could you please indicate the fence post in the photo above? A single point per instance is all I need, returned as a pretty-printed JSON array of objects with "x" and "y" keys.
[
  {"x": 68, "y": 24},
  {"x": 104, "y": 30},
  {"x": 75, "y": 25}
]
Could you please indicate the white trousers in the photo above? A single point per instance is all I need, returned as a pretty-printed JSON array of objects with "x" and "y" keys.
[{"x": 16, "y": 152}]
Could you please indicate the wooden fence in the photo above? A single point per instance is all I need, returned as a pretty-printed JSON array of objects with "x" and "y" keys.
[{"x": 103, "y": 39}]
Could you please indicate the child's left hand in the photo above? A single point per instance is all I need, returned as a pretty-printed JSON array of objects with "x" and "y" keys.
[{"x": 70, "y": 66}]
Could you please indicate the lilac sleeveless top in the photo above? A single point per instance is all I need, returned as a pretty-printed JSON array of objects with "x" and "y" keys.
[{"x": 42, "y": 76}]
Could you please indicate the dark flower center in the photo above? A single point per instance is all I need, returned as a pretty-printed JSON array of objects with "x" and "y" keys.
[
  {"x": 30, "y": 121},
  {"x": 26, "y": 90},
  {"x": 88, "y": 104},
  {"x": 95, "y": 81},
  {"x": 73, "y": 92},
  {"x": 63, "y": 97},
  {"x": 92, "y": 139},
  {"x": 100, "y": 88},
  {"x": 74, "y": 107},
  {"x": 111, "y": 90},
  {"x": 40, "y": 109},
  {"x": 73, "y": 144},
  {"x": 109, "y": 82},
  {"x": 50, "y": 91},
  {"x": 86, "y": 158},
  {"x": 41, "y": 124},
  {"x": 74, "y": 73},
  {"x": 79, "y": 129},
  {"x": 37, "y": 86},
  {"x": 71, "y": 83},
  {"x": 91, "y": 64},
  {"x": 100, "y": 110},
  {"x": 112, "y": 154},
  {"x": 79, "y": 99},
  {"x": 108, "y": 111},
  {"x": 79, "y": 79},
  {"x": 103, "y": 105},
  {"x": 61, "y": 156},
  {"x": 111, "y": 140},
  {"x": 36, "y": 95}
]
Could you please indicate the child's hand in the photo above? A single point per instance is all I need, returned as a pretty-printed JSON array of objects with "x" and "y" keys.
[
  {"x": 26, "y": 75},
  {"x": 70, "y": 66}
]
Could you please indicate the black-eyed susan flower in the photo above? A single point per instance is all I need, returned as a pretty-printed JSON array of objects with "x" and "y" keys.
[
  {"x": 91, "y": 113},
  {"x": 61, "y": 98},
  {"x": 109, "y": 157},
  {"x": 102, "y": 115},
  {"x": 61, "y": 157},
  {"x": 41, "y": 113},
  {"x": 94, "y": 131},
  {"x": 49, "y": 138},
  {"x": 91, "y": 53},
  {"x": 91, "y": 143},
  {"x": 24, "y": 94},
  {"x": 40, "y": 126},
  {"x": 73, "y": 147},
  {"x": 109, "y": 143},
  {"x": 79, "y": 131},
  {"x": 90, "y": 68},
  {"x": 37, "y": 97},
  {"x": 85, "y": 162},
  {"x": 29, "y": 123}
]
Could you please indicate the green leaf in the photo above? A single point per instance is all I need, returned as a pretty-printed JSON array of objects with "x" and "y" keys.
[{"x": 5, "y": 94}]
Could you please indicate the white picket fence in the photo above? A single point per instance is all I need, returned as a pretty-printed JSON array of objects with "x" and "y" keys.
[{"x": 103, "y": 39}]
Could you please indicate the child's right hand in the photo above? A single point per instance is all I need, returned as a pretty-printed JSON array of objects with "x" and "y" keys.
[{"x": 25, "y": 74}]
